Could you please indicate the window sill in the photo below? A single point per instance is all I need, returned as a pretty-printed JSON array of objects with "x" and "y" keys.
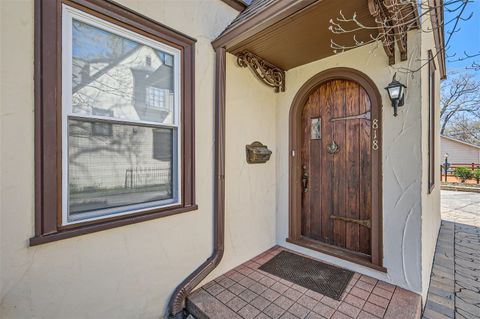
[{"x": 87, "y": 229}]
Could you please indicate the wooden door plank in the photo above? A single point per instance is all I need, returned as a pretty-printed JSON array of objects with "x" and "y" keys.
[
  {"x": 327, "y": 163},
  {"x": 365, "y": 174},
  {"x": 353, "y": 165},
  {"x": 315, "y": 172},
  {"x": 339, "y": 162},
  {"x": 306, "y": 223}
]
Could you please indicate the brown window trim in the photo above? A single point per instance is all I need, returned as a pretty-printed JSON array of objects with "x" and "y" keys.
[
  {"x": 48, "y": 73},
  {"x": 431, "y": 122},
  {"x": 238, "y": 5}
]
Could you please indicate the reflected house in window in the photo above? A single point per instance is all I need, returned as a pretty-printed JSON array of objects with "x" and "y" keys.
[
  {"x": 153, "y": 86},
  {"x": 122, "y": 145},
  {"x": 99, "y": 128},
  {"x": 140, "y": 82}
]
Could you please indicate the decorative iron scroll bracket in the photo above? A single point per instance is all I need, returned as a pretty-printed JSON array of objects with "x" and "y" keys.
[
  {"x": 382, "y": 18},
  {"x": 394, "y": 19},
  {"x": 266, "y": 72}
]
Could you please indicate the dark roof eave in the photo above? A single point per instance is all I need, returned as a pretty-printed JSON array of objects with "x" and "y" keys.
[
  {"x": 258, "y": 21},
  {"x": 275, "y": 11},
  {"x": 437, "y": 17}
]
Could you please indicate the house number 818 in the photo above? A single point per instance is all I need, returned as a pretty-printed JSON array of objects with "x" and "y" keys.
[{"x": 375, "y": 140}]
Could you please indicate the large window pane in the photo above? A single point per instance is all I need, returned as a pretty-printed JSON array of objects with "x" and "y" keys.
[
  {"x": 120, "y": 78},
  {"x": 123, "y": 168}
]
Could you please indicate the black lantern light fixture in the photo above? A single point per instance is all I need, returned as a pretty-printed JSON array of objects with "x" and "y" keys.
[{"x": 396, "y": 92}]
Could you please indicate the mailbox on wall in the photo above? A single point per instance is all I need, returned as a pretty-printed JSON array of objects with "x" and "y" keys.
[{"x": 257, "y": 153}]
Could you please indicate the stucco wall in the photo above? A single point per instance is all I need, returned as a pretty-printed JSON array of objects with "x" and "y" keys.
[
  {"x": 250, "y": 188},
  {"x": 129, "y": 272},
  {"x": 402, "y": 150},
  {"x": 430, "y": 202}
]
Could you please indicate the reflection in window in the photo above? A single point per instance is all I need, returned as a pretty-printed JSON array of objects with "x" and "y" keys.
[
  {"x": 106, "y": 173},
  {"x": 114, "y": 73},
  {"x": 102, "y": 128},
  {"x": 162, "y": 143},
  {"x": 155, "y": 98},
  {"x": 122, "y": 133}
]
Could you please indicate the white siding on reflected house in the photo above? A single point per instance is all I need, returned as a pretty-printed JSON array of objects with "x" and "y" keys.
[{"x": 459, "y": 152}]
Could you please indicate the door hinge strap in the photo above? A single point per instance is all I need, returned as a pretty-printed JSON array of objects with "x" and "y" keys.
[
  {"x": 364, "y": 222},
  {"x": 363, "y": 116}
]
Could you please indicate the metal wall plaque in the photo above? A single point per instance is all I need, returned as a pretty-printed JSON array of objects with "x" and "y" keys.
[
  {"x": 316, "y": 128},
  {"x": 257, "y": 153}
]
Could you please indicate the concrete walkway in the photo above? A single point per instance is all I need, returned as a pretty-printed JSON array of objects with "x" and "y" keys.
[{"x": 455, "y": 284}]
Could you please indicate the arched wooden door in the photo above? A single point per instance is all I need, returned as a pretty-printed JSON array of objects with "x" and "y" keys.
[{"x": 337, "y": 169}]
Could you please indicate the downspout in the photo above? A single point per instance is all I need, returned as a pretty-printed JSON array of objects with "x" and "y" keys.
[{"x": 176, "y": 305}]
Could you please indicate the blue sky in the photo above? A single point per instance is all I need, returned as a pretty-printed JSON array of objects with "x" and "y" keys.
[
  {"x": 92, "y": 43},
  {"x": 468, "y": 39}
]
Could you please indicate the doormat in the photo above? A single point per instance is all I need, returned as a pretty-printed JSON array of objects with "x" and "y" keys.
[{"x": 328, "y": 280}]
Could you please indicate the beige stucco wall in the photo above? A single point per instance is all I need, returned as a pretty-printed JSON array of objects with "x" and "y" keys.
[
  {"x": 402, "y": 151},
  {"x": 129, "y": 272},
  {"x": 430, "y": 202},
  {"x": 250, "y": 198}
]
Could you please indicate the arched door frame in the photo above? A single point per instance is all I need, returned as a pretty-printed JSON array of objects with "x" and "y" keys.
[{"x": 295, "y": 195}]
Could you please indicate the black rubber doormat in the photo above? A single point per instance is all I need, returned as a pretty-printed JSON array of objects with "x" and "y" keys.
[{"x": 311, "y": 274}]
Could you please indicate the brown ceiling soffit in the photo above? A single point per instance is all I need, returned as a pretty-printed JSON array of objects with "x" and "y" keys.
[
  {"x": 266, "y": 72},
  {"x": 437, "y": 18},
  {"x": 236, "y": 4},
  {"x": 394, "y": 20},
  {"x": 260, "y": 20}
]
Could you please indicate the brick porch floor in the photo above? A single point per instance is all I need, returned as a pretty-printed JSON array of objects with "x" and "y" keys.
[{"x": 249, "y": 293}]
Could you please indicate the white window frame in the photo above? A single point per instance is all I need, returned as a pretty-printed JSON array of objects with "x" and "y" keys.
[{"x": 68, "y": 15}]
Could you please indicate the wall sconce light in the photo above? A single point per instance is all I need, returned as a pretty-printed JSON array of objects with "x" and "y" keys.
[{"x": 396, "y": 92}]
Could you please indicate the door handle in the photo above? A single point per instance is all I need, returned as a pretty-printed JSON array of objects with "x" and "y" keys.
[{"x": 305, "y": 179}]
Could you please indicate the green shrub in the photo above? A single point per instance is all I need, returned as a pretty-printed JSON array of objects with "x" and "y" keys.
[
  {"x": 463, "y": 173},
  {"x": 476, "y": 175}
]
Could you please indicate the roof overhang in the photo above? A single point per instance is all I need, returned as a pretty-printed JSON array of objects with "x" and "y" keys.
[
  {"x": 291, "y": 33},
  {"x": 438, "y": 20}
]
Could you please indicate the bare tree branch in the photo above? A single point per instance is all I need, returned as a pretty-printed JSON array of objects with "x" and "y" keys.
[
  {"x": 460, "y": 100},
  {"x": 390, "y": 30}
]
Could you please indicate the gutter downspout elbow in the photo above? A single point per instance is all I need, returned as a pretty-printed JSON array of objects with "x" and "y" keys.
[{"x": 176, "y": 306}]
